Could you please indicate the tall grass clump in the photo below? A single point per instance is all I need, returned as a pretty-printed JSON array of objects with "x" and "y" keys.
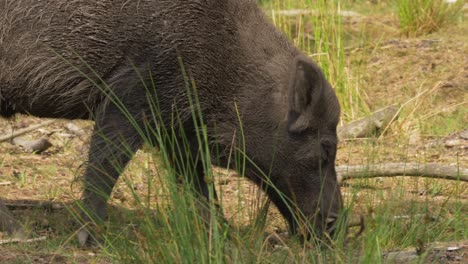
[
  {"x": 184, "y": 227},
  {"x": 419, "y": 17},
  {"x": 172, "y": 222},
  {"x": 317, "y": 28}
]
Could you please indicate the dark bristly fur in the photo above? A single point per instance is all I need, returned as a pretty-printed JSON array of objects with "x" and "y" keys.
[{"x": 54, "y": 56}]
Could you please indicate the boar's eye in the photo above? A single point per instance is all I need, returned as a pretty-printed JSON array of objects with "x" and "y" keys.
[
  {"x": 324, "y": 153},
  {"x": 326, "y": 150}
]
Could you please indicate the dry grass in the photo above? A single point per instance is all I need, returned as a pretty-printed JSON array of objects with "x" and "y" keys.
[{"x": 418, "y": 17}]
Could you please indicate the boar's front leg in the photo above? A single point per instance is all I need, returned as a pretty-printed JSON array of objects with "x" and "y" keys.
[
  {"x": 189, "y": 164},
  {"x": 113, "y": 144}
]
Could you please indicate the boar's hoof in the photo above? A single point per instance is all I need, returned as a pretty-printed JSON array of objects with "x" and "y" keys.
[
  {"x": 83, "y": 237},
  {"x": 87, "y": 236}
]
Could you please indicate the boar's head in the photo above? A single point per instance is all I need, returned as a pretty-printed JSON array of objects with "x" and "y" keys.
[{"x": 293, "y": 140}]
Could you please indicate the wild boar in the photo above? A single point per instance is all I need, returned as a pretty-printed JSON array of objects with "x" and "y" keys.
[{"x": 96, "y": 59}]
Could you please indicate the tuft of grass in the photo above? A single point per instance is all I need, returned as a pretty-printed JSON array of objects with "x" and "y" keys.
[
  {"x": 419, "y": 17},
  {"x": 22, "y": 177}
]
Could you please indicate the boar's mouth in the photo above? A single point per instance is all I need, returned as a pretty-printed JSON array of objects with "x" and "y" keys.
[{"x": 354, "y": 220}]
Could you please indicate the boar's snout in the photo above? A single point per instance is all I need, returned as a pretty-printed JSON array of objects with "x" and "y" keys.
[
  {"x": 335, "y": 222},
  {"x": 321, "y": 218},
  {"x": 330, "y": 218},
  {"x": 331, "y": 223}
]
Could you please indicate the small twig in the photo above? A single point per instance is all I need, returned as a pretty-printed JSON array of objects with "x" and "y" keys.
[
  {"x": 29, "y": 204},
  {"x": 426, "y": 217},
  {"x": 7, "y": 183},
  {"x": 430, "y": 170},
  {"x": 305, "y": 12},
  {"x": 19, "y": 240},
  {"x": 26, "y": 130}
]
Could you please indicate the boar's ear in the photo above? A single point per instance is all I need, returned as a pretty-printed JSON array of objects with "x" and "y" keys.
[{"x": 305, "y": 91}]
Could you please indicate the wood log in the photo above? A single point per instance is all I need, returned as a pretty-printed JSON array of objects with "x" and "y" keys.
[
  {"x": 429, "y": 170},
  {"x": 26, "y": 204},
  {"x": 312, "y": 12},
  {"x": 368, "y": 126},
  {"x": 33, "y": 146},
  {"x": 22, "y": 240},
  {"x": 26, "y": 130}
]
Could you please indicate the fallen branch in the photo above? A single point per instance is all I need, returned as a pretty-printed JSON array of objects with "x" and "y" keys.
[
  {"x": 32, "y": 204},
  {"x": 26, "y": 130},
  {"x": 305, "y": 12},
  {"x": 430, "y": 170},
  {"x": 19, "y": 240}
]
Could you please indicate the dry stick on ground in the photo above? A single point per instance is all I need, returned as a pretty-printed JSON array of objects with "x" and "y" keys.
[
  {"x": 430, "y": 170},
  {"x": 19, "y": 240},
  {"x": 24, "y": 204},
  {"x": 309, "y": 12},
  {"x": 26, "y": 130}
]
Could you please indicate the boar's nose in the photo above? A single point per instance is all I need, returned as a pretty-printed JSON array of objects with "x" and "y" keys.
[
  {"x": 330, "y": 220},
  {"x": 331, "y": 223}
]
